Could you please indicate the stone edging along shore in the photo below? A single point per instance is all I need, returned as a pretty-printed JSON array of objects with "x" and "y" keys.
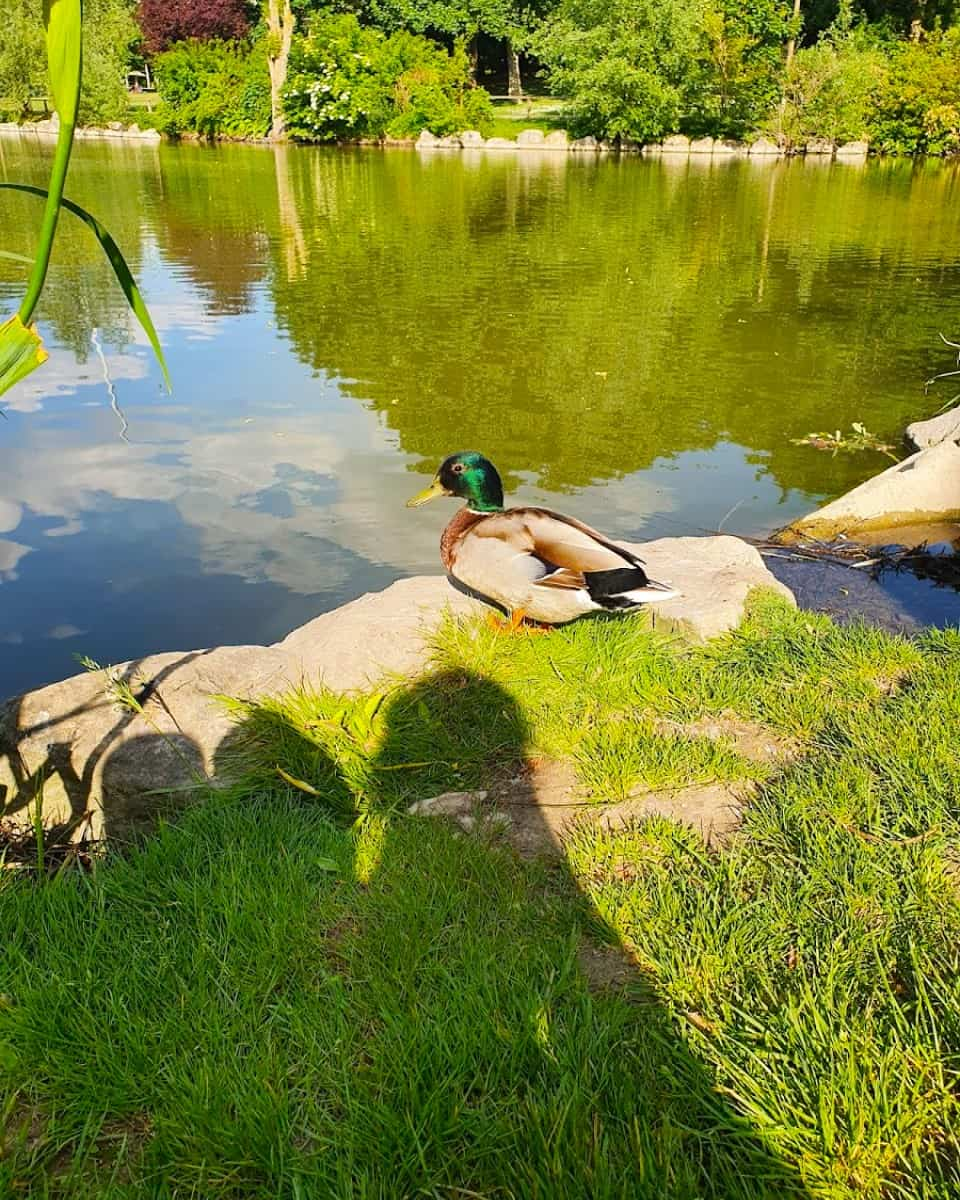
[
  {"x": 51, "y": 127},
  {"x": 676, "y": 146}
]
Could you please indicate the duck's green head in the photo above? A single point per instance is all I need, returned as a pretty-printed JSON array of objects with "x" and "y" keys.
[{"x": 471, "y": 477}]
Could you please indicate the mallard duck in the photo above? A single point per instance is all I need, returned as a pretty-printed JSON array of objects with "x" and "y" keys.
[{"x": 532, "y": 562}]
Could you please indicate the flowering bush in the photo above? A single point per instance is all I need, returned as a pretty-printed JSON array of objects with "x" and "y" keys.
[{"x": 347, "y": 81}]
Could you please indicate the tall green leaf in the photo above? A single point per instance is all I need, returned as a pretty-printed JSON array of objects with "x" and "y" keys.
[
  {"x": 117, "y": 261},
  {"x": 64, "y": 22}
]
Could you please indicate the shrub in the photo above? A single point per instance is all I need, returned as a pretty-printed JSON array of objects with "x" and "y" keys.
[
  {"x": 642, "y": 68},
  {"x": 829, "y": 90},
  {"x": 347, "y": 81},
  {"x": 916, "y": 107},
  {"x": 622, "y": 64},
  {"x": 213, "y": 88}
]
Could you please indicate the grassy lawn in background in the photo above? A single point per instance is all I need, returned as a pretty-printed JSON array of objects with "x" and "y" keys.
[
  {"x": 543, "y": 113},
  {"x": 300, "y": 996}
]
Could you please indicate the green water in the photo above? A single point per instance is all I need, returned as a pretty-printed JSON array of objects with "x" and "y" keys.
[{"x": 636, "y": 342}]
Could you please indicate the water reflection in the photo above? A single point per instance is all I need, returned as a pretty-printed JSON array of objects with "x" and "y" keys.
[{"x": 649, "y": 335}]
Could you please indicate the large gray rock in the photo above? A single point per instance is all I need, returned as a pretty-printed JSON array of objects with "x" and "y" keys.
[
  {"x": 729, "y": 149},
  {"x": 557, "y": 139},
  {"x": 677, "y": 143},
  {"x": 853, "y": 151},
  {"x": 923, "y": 488},
  {"x": 102, "y": 767},
  {"x": 764, "y": 148},
  {"x": 471, "y": 139},
  {"x": 532, "y": 139},
  {"x": 702, "y": 145},
  {"x": 938, "y": 429}
]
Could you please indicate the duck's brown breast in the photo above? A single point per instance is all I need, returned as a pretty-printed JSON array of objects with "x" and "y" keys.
[{"x": 462, "y": 522}]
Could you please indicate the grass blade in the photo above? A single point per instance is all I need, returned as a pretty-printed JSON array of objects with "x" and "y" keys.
[
  {"x": 21, "y": 258},
  {"x": 117, "y": 261}
]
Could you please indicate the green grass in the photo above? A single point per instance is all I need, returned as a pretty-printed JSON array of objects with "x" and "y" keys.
[
  {"x": 545, "y": 114},
  {"x": 287, "y": 996}
]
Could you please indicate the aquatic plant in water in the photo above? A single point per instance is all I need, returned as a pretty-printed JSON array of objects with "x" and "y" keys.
[
  {"x": 859, "y": 438},
  {"x": 21, "y": 347}
]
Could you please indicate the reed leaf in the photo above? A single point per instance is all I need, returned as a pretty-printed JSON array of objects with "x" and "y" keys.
[
  {"x": 21, "y": 351},
  {"x": 117, "y": 261},
  {"x": 64, "y": 23}
]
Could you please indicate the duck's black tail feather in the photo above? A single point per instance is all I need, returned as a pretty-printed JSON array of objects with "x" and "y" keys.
[{"x": 627, "y": 587}]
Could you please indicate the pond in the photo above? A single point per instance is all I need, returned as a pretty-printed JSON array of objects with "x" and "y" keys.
[{"x": 634, "y": 341}]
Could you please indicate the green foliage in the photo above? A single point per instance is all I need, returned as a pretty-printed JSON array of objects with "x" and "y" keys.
[
  {"x": 901, "y": 96},
  {"x": 622, "y": 65},
  {"x": 456, "y": 18},
  {"x": 734, "y": 79},
  {"x": 213, "y": 88},
  {"x": 643, "y": 69},
  {"x": 109, "y": 30},
  {"x": 23, "y": 58},
  {"x": 830, "y": 88},
  {"x": 917, "y": 105},
  {"x": 348, "y": 81}
]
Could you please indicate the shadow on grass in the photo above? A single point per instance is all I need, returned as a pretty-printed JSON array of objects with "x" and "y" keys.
[{"x": 513, "y": 1046}]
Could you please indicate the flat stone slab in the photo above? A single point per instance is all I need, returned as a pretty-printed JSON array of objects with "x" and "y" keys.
[
  {"x": 923, "y": 488},
  {"x": 104, "y": 768},
  {"x": 537, "y": 812}
]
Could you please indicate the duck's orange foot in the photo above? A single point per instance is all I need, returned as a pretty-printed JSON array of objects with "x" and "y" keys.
[{"x": 517, "y": 622}]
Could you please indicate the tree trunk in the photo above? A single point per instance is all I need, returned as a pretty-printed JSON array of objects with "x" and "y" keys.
[
  {"x": 792, "y": 44},
  {"x": 280, "y": 23},
  {"x": 514, "y": 85},
  {"x": 473, "y": 51}
]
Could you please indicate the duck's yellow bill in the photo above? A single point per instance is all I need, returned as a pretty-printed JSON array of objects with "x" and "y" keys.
[{"x": 429, "y": 493}]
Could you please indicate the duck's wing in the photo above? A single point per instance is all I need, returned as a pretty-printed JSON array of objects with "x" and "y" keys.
[{"x": 568, "y": 549}]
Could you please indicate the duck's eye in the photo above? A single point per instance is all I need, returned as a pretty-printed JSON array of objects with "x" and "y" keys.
[{"x": 458, "y": 468}]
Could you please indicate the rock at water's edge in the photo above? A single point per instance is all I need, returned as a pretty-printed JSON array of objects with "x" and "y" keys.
[
  {"x": 853, "y": 150},
  {"x": 764, "y": 148},
  {"x": 104, "y": 767},
  {"x": 923, "y": 488},
  {"x": 938, "y": 429}
]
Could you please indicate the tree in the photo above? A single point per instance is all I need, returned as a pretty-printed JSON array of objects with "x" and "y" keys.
[
  {"x": 108, "y": 33},
  {"x": 510, "y": 21},
  {"x": 280, "y": 21},
  {"x": 643, "y": 68},
  {"x": 167, "y": 21},
  {"x": 23, "y": 61}
]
